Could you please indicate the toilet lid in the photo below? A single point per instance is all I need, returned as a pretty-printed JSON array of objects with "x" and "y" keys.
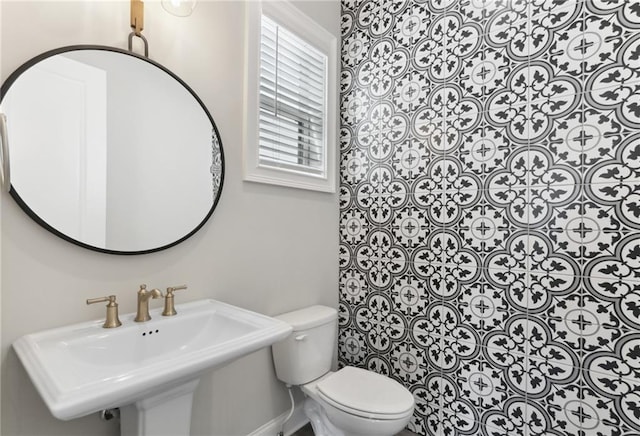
[{"x": 359, "y": 390}]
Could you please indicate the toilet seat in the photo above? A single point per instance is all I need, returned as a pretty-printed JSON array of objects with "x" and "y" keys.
[{"x": 366, "y": 394}]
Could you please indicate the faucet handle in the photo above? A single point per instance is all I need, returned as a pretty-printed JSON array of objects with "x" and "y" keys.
[
  {"x": 112, "y": 319},
  {"x": 169, "y": 307},
  {"x": 172, "y": 289}
]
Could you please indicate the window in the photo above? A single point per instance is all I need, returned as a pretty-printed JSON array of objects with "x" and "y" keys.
[{"x": 290, "y": 118}]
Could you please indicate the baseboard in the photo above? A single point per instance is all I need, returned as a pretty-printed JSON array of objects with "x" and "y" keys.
[{"x": 272, "y": 428}]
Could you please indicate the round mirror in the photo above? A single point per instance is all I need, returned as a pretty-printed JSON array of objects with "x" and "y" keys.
[{"x": 110, "y": 150}]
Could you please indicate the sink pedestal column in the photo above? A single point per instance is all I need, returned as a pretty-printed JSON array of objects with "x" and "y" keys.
[{"x": 167, "y": 413}]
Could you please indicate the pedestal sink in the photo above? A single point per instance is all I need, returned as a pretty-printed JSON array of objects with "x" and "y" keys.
[{"x": 150, "y": 370}]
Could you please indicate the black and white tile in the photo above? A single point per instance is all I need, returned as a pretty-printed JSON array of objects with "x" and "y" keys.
[{"x": 490, "y": 211}]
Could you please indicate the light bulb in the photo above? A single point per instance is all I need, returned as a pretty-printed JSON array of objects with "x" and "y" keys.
[{"x": 179, "y": 8}]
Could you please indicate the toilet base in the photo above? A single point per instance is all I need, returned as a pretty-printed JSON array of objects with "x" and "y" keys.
[
  {"x": 319, "y": 420},
  {"x": 322, "y": 426}
]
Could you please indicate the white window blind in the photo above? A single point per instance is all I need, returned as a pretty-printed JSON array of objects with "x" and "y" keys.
[{"x": 292, "y": 115}]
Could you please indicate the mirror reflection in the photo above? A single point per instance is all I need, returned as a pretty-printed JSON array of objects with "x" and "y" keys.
[{"x": 110, "y": 150}]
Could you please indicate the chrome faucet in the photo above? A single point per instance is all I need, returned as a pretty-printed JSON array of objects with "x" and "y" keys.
[{"x": 143, "y": 302}]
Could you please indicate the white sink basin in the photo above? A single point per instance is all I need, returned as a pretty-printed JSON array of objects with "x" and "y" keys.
[{"x": 84, "y": 368}]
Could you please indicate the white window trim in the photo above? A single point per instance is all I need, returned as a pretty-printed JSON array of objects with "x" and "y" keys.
[{"x": 306, "y": 28}]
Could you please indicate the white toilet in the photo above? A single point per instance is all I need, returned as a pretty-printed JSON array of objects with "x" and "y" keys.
[{"x": 349, "y": 402}]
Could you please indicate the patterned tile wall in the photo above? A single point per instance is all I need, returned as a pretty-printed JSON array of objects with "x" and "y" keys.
[{"x": 490, "y": 211}]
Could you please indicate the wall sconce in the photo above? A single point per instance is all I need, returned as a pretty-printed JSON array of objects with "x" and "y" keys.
[{"x": 179, "y": 8}]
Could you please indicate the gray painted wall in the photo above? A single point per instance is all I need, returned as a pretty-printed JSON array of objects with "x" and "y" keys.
[{"x": 269, "y": 249}]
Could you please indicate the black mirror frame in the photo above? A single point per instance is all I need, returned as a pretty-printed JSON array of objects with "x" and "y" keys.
[{"x": 25, "y": 66}]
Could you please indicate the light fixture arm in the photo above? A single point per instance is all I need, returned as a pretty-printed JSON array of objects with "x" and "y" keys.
[
  {"x": 137, "y": 25},
  {"x": 137, "y": 16}
]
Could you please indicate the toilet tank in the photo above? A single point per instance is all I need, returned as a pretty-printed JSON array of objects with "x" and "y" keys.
[{"x": 307, "y": 353}]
